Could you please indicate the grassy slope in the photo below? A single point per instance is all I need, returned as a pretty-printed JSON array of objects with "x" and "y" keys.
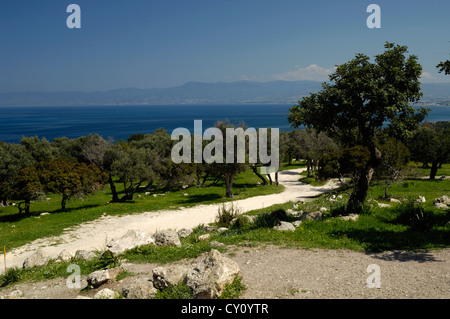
[{"x": 17, "y": 230}]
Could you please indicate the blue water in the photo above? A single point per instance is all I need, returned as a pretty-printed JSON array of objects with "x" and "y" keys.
[{"x": 119, "y": 122}]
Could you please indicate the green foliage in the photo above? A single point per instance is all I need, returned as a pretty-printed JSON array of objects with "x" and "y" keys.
[
  {"x": 431, "y": 144},
  {"x": 241, "y": 223},
  {"x": 444, "y": 67},
  {"x": 362, "y": 97},
  {"x": 235, "y": 289},
  {"x": 107, "y": 260},
  {"x": 226, "y": 214},
  {"x": 180, "y": 291},
  {"x": 11, "y": 276},
  {"x": 416, "y": 217},
  {"x": 271, "y": 219},
  {"x": 70, "y": 178}
]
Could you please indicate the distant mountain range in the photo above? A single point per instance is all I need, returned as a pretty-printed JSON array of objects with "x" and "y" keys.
[{"x": 241, "y": 92}]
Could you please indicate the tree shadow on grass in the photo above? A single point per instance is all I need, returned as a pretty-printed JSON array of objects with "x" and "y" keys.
[
  {"x": 196, "y": 199},
  {"x": 403, "y": 256},
  {"x": 382, "y": 240},
  {"x": 12, "y": 218}
]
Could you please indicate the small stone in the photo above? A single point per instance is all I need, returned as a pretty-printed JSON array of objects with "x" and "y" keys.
[
  {"x": 167, "y": 238},
  {"x": 65, "y": 255},
  {"x": 106, "y": 294},
  {"x": 84, "y": 254},
  {"x": 204, "y": 237},
  {"x": 142, "y": 289},
  {"x": 184, "y": 232},
  {"x": 215, "y": 243},
  {"x": 167, "y": 276},
  {"x": 285, "y": 226},
  {"x": 296, "y": 223}
]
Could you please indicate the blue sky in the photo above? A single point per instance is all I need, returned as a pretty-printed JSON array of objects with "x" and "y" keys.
[{"x": 162, "y": 43}]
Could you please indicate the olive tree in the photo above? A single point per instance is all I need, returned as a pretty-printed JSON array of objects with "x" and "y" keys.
[{"x": 362, "y": 97}]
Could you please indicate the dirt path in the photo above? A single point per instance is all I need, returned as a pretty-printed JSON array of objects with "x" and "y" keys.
[
  {"x": 275, "y": 273},
  {"x": 95, "y": 235}
]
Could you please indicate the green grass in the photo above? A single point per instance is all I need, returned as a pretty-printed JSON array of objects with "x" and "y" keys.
[
  {"x": 293, "y": 165},
  {"x": 444, "y": 170},
  {"x": 17, "y": 230},
  {"x": 376, "y": 230},
  {"x": 311, "y": 180}
]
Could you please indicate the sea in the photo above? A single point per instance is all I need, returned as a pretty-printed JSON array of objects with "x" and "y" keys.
[{"x": 120, "y": 122}]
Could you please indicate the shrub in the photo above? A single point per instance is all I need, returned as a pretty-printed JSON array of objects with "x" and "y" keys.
[
  {"x": 271, "y": 219},
  {"x": 241, "y": 222},
  {"x": 180, "y": 291},
  {"x": 235, "y": 289},
  {"x": 106, "y": 261},
  {"x": 11, "y": 276},
  {"x": 226, "y": 215},
  {"x": 415, "y": 216}
]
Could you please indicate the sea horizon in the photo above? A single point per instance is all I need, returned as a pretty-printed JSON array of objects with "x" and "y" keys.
[{"x": 118, "y": 122}]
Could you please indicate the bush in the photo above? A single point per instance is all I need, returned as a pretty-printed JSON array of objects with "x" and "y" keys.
[
  {"x": 415, "y": 216},
  {"x": 271, "y": 219},
  {"x": 180, "y": 291},
  {"x": 107, "y": 261},
  {"x": 242, "y": 222},
  {"x": 11, "y": 276},
  {"x": 226, "y": 215}
]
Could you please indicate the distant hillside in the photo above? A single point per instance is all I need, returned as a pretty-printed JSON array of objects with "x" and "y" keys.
[{"x": 195, "y": 93}]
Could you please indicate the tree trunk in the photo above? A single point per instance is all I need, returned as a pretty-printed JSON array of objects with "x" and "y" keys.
[
  {"x": 115, "y": 197},
  {"x": 204, "y": 179},
  {"x": 386, "y": 190},
  {"x": 434, "y": 168},
  {"x": 270, "y": 178},
  {"x": 228, "y": 184},
  {"x": 26, "y": 207},
  {"x": 359, "y": 194},
  {"x": 255, "y": 170},
  {"x": 309, "y": 168},
  {"x": 63, "y": 203}
]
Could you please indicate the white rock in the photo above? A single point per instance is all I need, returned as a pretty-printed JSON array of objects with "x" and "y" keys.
[
  {"x": 421, "y": 199},
  {"x": 297, "y": 223},
  {"x": 184, "y": 232},
  {"x": 65, "y": 255},
  {"x": 132, "y": 239},
  {"x": 106, "y": 294},
  {"x": 312, "y": 216},
  {"x": 204, "y": 237},
  {"x": 167, "y": 276},
  {"x": 285, "y": 226},
  {"x": 99, "y": 277},
  {"x": 84, "y": 254},
  {"x": 142, "y": 289},
  {"x": 441, "y": 206},
  {"x": 167, "y": 238},
  {"x": 210, "y": 276},
  {"x": 39, "y": 258}
]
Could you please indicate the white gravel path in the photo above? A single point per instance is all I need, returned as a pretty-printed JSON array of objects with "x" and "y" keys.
[{"x": 95, "y": 235}]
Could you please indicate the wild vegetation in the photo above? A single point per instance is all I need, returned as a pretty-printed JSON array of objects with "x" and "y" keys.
[{"x": 384, "y": 170}]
